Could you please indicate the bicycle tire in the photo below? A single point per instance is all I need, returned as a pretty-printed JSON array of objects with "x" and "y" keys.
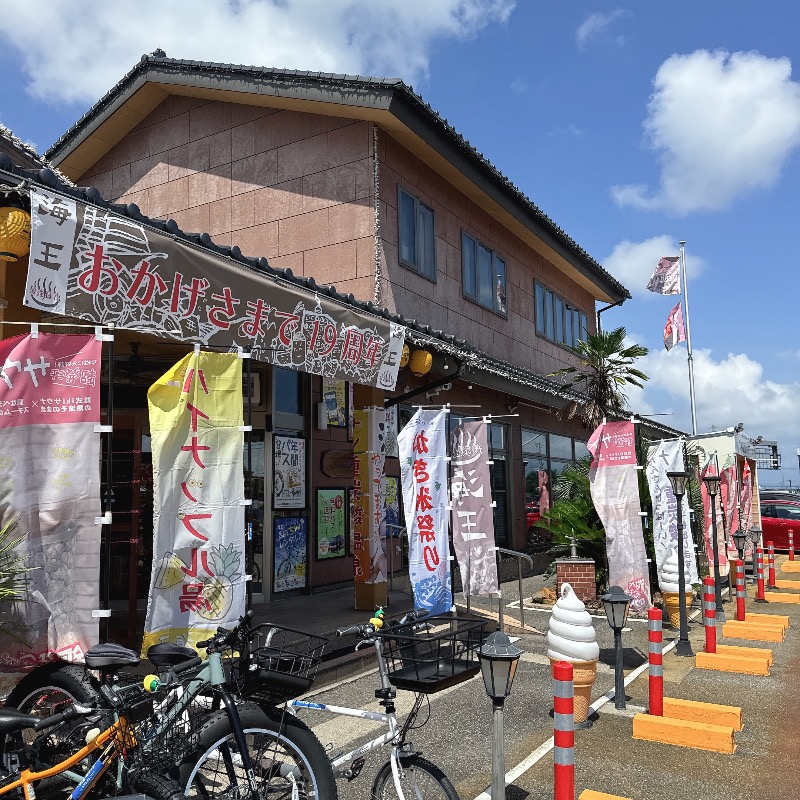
[
  {"x": 284, "y": 751},
  {"x": 419, "y": 775},
  {"x": 39, "y": 690},
  {"x": 159, "y": 787}
]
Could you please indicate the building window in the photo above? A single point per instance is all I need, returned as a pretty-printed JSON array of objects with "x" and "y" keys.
[
  {"x": 483, "y": 274},
  {"x": 288, "y": 387},
  {"x": 416, "y": 235},
  {"x": 557, "y": 320}
]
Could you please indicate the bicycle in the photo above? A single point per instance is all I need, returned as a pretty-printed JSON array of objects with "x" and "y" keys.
[
  {"x": 443, "y": 654},
  {"x": 211, "y": 741},
  {"x": 125, "y": 707}
]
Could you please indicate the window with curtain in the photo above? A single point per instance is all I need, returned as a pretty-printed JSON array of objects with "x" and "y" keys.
[
  {"x": 417, "y": 242},
  {"x": 483, "y": 275}
]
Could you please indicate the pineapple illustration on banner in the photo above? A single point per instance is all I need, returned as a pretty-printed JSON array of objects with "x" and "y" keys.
[{"x": 198, "y": 580}]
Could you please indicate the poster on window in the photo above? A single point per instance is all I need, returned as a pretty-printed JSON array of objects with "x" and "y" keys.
[
  {"x": 392, "y": 512},
  {"x": 391, "y": 432},
  {"x": 289, "y": 453},
  {"x": 332, "y": 511},
  {"x": 334, "y": 396},
  {"x": 291, "y": 553}
]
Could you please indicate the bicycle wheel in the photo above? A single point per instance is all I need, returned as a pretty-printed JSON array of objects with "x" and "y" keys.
[
  {"x": 49, "y": 689},
  {"x": 288, "y": 759},
  {"x": 418, "y": 778},
  {"x": 158, "y": 787}
]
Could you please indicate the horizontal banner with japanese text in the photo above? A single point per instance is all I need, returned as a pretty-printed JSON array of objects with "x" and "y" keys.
[{"x": 90, "y": 263}]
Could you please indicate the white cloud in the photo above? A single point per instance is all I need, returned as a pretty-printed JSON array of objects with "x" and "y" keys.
[
  {"x": 519, "y": 86},
  {"x": 632, "y": 263},
  {"x": 75, "y": 52},
  {"x": 571, "y": 131},
  {"x": 722, "y": 125},
  {"x": 727, "y": 391},
  {"x": 595, "y": 25}
]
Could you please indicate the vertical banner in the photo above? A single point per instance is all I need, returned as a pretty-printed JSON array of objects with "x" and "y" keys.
[
  {"x": 198, "y": 578},
  {"x": 710, "y": 468},
  {"x": 663, "y": 457},
  {"x": 615, "y": 494},
  {"x": 423, "y": 468},
  {"x": 50, "y": 492},
  {"x": 369, "y": 482},
  {"x": 746, "y": 505},
  {"x": 472, "y": 519}
]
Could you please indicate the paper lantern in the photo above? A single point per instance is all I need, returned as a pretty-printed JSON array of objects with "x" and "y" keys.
[
  {"x": 421, "y": 362},
  {"x": 15, "y": 233},
  {"x": 405, "y": 355}
]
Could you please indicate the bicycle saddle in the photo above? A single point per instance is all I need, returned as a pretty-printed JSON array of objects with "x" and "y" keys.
[
  {"x": 167, "y": 654},
  {"x": 12, "y": 721},
  {"x": 110, "y": 656}
]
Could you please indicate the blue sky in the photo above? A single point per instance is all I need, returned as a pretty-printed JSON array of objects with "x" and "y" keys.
[{"x": 632, "y": 126}]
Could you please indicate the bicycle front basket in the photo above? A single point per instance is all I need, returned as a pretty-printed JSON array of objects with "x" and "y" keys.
[
  {"x": 283, "y": 664},
  {"x": 442, "y": 653}
]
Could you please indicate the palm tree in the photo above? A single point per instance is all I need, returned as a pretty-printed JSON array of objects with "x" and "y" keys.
[
  {"x": 13, "y": 582},
  {"x": 605, "y": 368}
]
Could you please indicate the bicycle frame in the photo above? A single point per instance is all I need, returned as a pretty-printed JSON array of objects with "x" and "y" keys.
[{"x": 116, "y": 737}]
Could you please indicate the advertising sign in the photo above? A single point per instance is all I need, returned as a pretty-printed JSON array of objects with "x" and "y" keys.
[
  {"x": 89, "y": 263},
  {"x": 291, "y": 553},
  {"x": 289, "y": 457},
  {"x": 332, "y": 511}
]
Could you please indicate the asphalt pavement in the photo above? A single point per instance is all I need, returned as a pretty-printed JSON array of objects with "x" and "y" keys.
[{"x": 457, "y": 730}]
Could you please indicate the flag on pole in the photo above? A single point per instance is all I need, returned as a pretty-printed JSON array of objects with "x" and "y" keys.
[
  {"x": 666, "y": 276},
  {"x": 674, "y": 330}
]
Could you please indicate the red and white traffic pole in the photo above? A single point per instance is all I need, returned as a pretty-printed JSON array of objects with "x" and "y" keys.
[
  {"x": 760, "y": 575},
  {"x": 656, "y": 658},
  {"x": 563, "y": 732},
  {"x": 710, "y": 614},
  {"x": 791, "y": 545},
  {"x": 740, "y": 590},
  {"x": 771, "y": 561}
]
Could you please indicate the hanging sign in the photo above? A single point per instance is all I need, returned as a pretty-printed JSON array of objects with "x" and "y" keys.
[
  {"x": 472, "y": 516},
  {"x": 50, "y": 493},
  {"x": 615, "y": 493},
  {"x": 89, "y": 263},
  {"x": 423, "y": 469},
  {"x": 198, "y": 580}
]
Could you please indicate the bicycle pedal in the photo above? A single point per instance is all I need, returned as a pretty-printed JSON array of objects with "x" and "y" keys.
[{"x": 355, "y": 769}]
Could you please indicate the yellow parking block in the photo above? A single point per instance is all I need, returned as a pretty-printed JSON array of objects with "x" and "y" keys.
[
  {"x": 726, "y": 663},
  {"x": 712, "y": 713},
  {"x": 768, "y": 619},
  {"x": 746, "y": 652},
  {"x": 682, "y": 733},
  {"x": 753, "y": 631},
  {"x": 783, "y": 584},
  {"x": 590, "y": 794},
  {"x": 782, "y": 597},
  {"x": 790, "y": 566}
]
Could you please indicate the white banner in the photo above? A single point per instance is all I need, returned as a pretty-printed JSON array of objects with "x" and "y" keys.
[
  {"x": 615, "y": 494},
  {"x": 198, "y": 580},
  {"x": 667, "y": 456},
  {"x": 423, "y": 466}
]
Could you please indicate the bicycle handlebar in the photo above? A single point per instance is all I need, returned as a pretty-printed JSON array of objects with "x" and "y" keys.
[
  {"x": 224, "y": 637},
  {"x": 69, "y": 713},
  {"x": 367, "y": 629}
]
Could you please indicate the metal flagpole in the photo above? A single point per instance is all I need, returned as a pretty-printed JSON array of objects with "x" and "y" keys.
[{"x": 688, "y": 338}]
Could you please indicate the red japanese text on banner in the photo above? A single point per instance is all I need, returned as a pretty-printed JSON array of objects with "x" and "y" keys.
[
  {"x": 50, "y": 487},
  {"x": 198, "y": 580},
  {"x": 90, "y": 263}
]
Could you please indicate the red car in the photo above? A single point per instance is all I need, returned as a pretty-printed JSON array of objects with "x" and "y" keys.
[{"x": 778, "y": 517}]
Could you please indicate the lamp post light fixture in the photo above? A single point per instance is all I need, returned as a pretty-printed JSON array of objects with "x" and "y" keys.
[
  {"x": 499, "y": 659},
  {"x": 755, "y": 538},
  {"x": 740, "y": 540},
  {"x": 617, "y": 604},
  {"x": 678, "y": 481},
  {"x": 712, "y": 483}
]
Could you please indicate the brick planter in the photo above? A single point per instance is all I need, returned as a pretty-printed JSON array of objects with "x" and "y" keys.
[{"x": 579, "y": 573}]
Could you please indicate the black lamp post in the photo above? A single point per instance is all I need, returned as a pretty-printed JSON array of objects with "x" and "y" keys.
[
  {"x": 755, "y": 538},
  {"x": 678, "y": 481},
  {"x": 499, "y": 659},
  {"x": 617, "y": 604},
  {"x": 712, "y": 487},
  {"x": 740, "y": 540}
]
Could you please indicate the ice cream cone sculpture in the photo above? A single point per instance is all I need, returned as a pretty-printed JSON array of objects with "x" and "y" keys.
[
  {"x": 572, "y": 638},
  {"x": 669, "y": 582}
]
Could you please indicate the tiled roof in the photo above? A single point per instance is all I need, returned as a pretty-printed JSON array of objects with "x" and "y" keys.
[
  {"x": 24, "y": 154},
  {"x": 373, "y": 92}
]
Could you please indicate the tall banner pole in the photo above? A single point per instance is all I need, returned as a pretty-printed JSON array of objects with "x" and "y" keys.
[
  {"x": 249, "y": 554},
  {"x": 688, "y": 338},
  {"x": 109, "y": 498}
]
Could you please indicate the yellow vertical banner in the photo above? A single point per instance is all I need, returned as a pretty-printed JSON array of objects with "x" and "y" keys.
[{"x": 198, "y": 580}]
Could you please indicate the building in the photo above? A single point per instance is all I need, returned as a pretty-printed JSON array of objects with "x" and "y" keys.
[{"x": 324, "y": 181}]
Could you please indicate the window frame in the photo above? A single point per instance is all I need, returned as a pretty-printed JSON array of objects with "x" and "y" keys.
[
  {"x": 548, "y": 306},
  {"x": 418, "y": 267},
  {"x": 476, "y": 246}
]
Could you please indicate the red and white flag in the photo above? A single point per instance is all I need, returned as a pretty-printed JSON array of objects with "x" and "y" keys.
[
  {"x": 674, "y": 330},
  {"x": 666, "y": 276}
]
